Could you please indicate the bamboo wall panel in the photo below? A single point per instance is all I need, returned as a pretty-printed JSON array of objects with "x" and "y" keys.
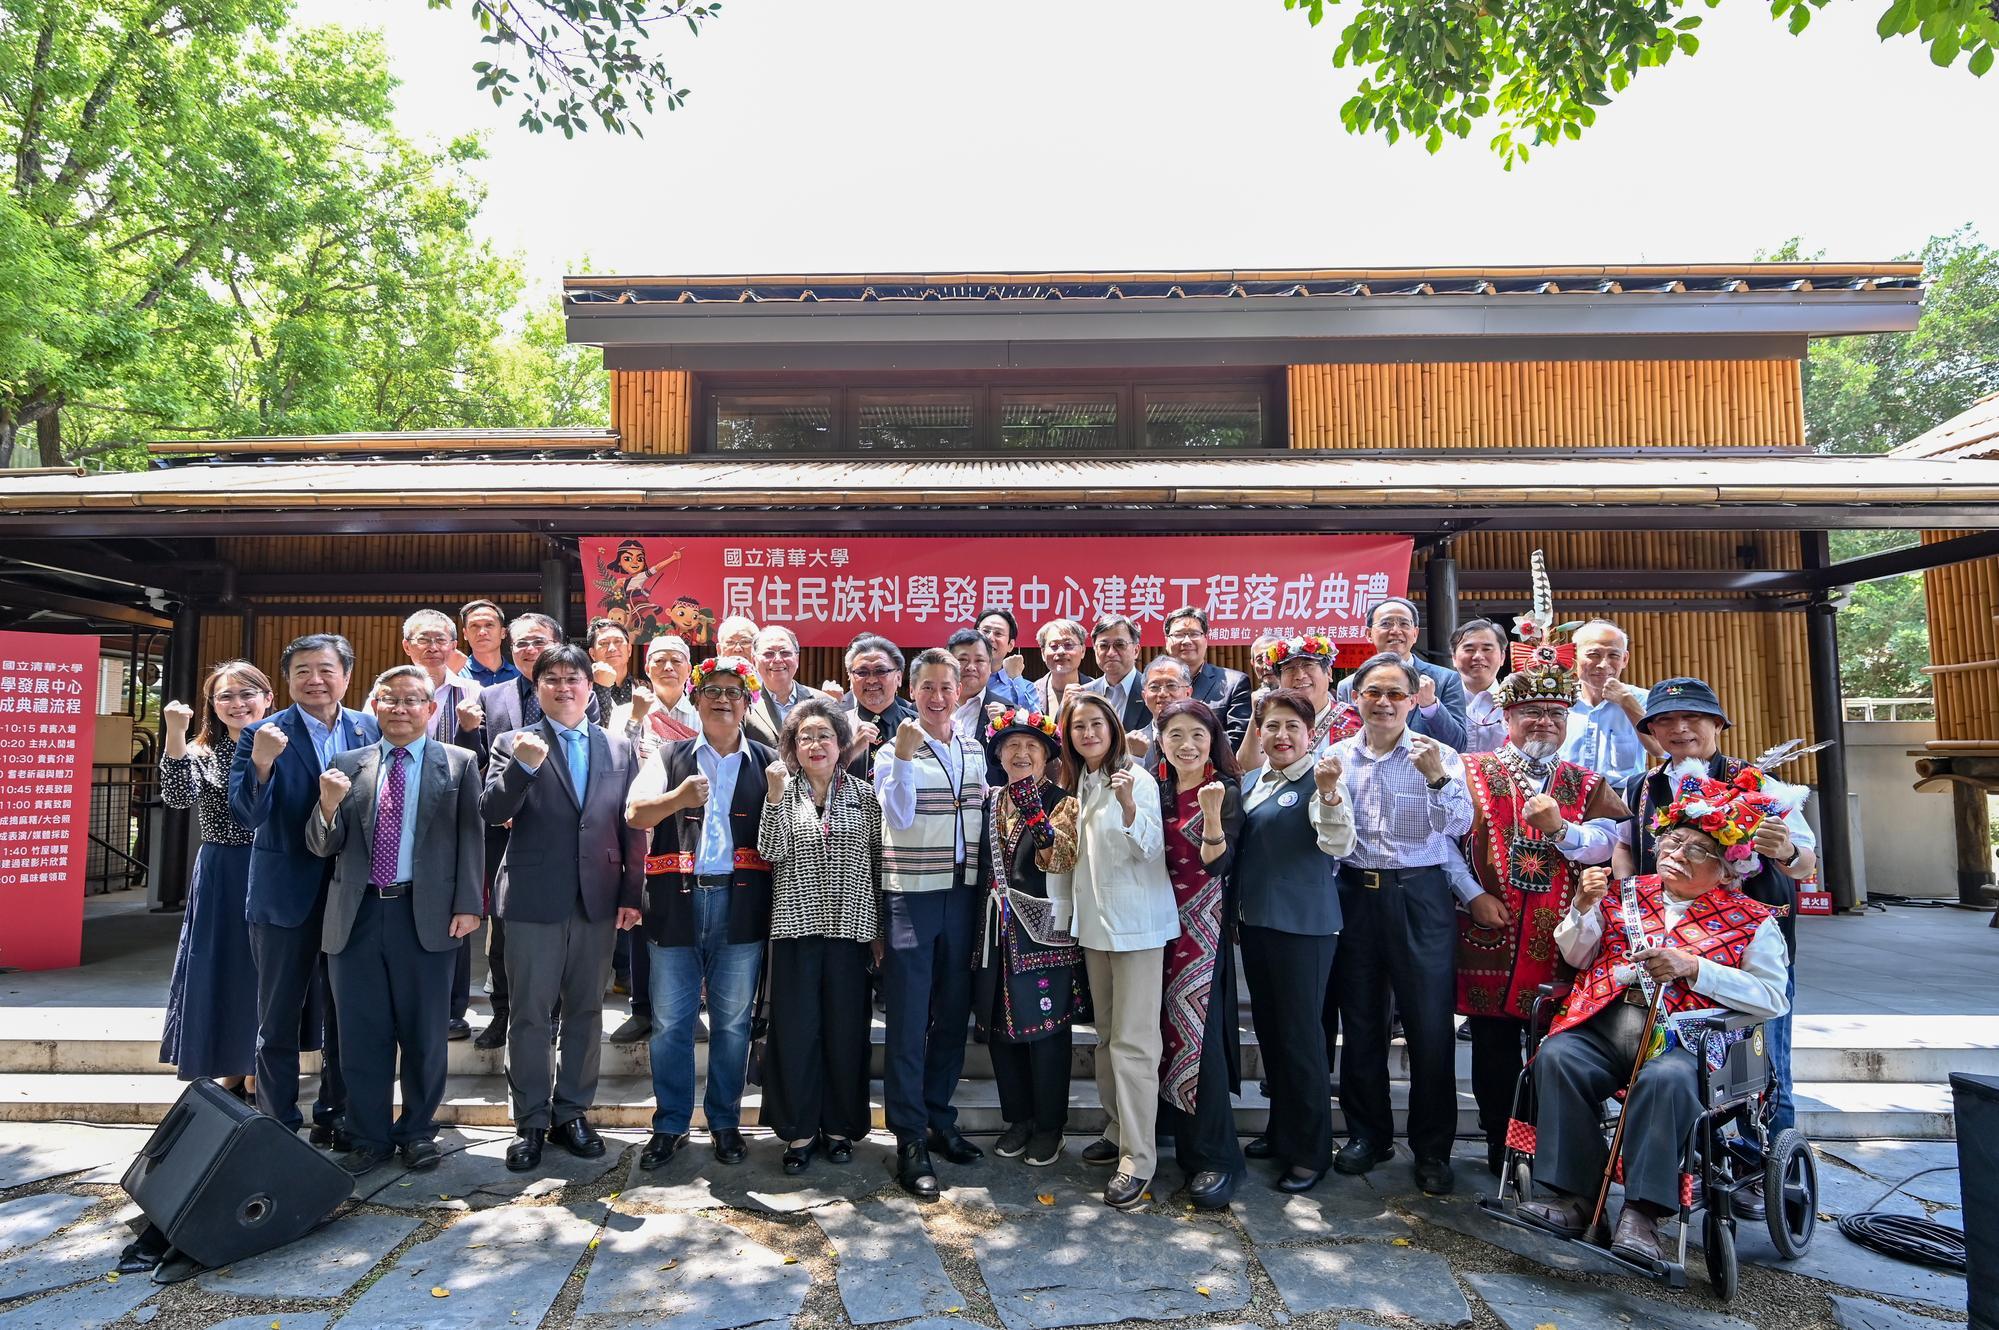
[
  {"x": 1963, "y": 598},
  {"x": 653, "y": 410},
  {"x": 384, "y": 553},
  {"x": 1548, "y": 404}
]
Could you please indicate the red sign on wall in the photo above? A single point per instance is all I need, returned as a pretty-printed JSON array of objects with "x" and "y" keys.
[
  {"x": 915, "y": 589},
  {"x": 48, "y": 717}
]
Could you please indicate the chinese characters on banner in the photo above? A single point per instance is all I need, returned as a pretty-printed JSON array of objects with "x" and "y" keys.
[
  {"x": 915, "y": 589},
  {"x": 48, "y": 715}
]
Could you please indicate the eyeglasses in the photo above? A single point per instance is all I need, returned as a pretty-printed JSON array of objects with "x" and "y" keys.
[
  {"x": 1541, "y": 713},
  {"x": 235, "y": 699},
  {"x": 1688, "y": 846},
  {"x": 432, "y": 640},
  {"x": 1384, "y": 694},
  {"x": 715, "y": 692},
  {"x": 1164, "y": 686},
  {"x": 385, "y": 702},
  {"x": 1185, "y": 635},
  {"x": 816, "y": 738},
  {"x": 533, "y": 643},
  {"x": 1396, "y": 621},
  {"x": 871, "y": 671},
  {"x": 778, "y": 653},
  {"x": 1114, "y": 644}
]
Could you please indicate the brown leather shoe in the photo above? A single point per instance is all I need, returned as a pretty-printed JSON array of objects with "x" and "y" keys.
[
  {"x": 1637, "y": 1236},
  {"x": 1565, "y": 1215}
]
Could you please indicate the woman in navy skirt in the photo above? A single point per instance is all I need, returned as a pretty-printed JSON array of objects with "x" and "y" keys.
[{"x": 211, "y": 1025}]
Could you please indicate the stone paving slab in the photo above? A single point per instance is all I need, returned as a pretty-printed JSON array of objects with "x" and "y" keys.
[
  {"x": 36, "y": 1151},
  {"x": 1847, "y": 1191},
  {"x": 1082, "y": 1265},
  {"x": 322, "y": 1265},
  {"x": 500, "y": 1268},
  {"x": 476, "y": 1177},
  {"x": 1396, "y": 1179},
  {"x": 686, "y": 1272},
  {"x": 1337, "y": 1208},
  {"x": 1836, "y": 1260},
  {"x": 282, "y": 1320},
  {"x": 952, "y": 1323},
  {"x": 1892, "y": 1161},
  {"x": 85, "y": 1307},
  {"x": 28, "y": 1220},
  {"x": 1388, "y": 1281},
  {"x": 85, "y": 1251},
  {"x": 1865, "y": 1314},
  {"x": 1013, "y": 1187},
  {"x": 888, "y": 1268},
  {"x": 692, "y": 1180},
  {"x": 1529, "y": 1302},
  {"x": 1461, "y": 1214}
]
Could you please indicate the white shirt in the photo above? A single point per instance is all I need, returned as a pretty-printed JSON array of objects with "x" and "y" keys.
[
  {"x": 1485, "y": 721},
  {"x": 1756, "y": 987}
]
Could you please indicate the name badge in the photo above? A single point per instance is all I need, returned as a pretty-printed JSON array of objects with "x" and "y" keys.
[{"x": 1288, "y": 799}]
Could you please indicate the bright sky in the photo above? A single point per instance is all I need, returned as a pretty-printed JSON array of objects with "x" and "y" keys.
[{"x": 911, "y": 135}]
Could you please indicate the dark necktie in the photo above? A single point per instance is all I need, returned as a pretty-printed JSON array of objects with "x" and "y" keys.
[
  {"x": 389, "y": 821},
  {"x": 530, "y": 709}
]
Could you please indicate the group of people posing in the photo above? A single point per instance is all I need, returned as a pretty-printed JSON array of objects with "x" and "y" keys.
[{"x": 970, "y": 849}]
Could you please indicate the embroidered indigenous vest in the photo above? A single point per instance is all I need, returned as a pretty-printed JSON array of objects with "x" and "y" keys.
[
  {"x": 670, "y": 856},
  {"x": 923, "y": 857},
  {"x": 1499, "y": 968},
  {"x": 1717, "y": 927}
]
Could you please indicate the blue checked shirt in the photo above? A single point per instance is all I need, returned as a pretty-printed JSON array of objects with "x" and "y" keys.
[{"x": 1399, "y": 821}]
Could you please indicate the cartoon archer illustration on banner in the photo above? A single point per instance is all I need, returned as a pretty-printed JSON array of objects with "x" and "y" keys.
[{"x": 626, "y": 583}]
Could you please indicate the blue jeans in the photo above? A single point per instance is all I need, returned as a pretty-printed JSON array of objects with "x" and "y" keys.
[
  {"x": 728, "y": 970},
  {"x": 1778, "y": 1036}
]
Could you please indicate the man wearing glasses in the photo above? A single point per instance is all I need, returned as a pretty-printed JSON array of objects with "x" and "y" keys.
[
  {"x": 1606, "y": 725},
  {"x": 776, "y": 654},
  {"x": 400, "y": 820},
  {"x": 1114, "y": 641},
  {"x": 1167, "y": 680},
  {"x": 1392, "y": 625},
  {"x": 1535, "y": 818},
  {"x": 874, "y": 677},
  {"x": 428, "y": 640},
  {"x": 707, "y": 908},
  {"x": 1225, "y": 691}
]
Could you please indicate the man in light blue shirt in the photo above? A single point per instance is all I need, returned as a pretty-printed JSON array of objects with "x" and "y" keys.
[{"x": 1603, "y": 724}]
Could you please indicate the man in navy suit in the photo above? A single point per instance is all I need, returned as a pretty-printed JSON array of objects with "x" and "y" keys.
[
  {"x": 1225, "y": 691},
  {"x": 273, "y": 788},
  {"x": 1392, "y": 625}
]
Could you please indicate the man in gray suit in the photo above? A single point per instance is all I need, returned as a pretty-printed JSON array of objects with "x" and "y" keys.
[
  {"x": 400, "y": 820},
  {"x": 779, "y": 690},
  {"x": 572, "y": 875},
  {"x": 1114, "y": 641}
]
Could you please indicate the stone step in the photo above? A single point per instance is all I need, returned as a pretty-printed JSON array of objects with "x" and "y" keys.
[
  {"x": 1827, "y": 1111},
  {"x": 1872, "y": 1049}
]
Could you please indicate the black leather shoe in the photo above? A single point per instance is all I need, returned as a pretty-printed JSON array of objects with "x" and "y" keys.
[
  {"x": 421, "y": 1156},
  {"x": 321, "y": 1135},
  {"x": 457, "y": 1028},
  {"x": 839, "y": 1150},
  {"x": 951, "y": 1143},
  {"x": 798, "y": 1158},
  {"x": 729, "y": 1147},
  {"x": 1211, "y": 1190},
  {"x": 365, "y": 1158},
  {"x": 913, "y": 1172},
  {"x": 634, "y": 1029},
  {"x": 1258, "y": 1148},
  {"x": 579, "y": 1138},
  {"x": 494, "y": 1035},
  {"x": 1101, "y": 1152},
  {"x": 1297, "y": 1179},
  {"x": 525, "y": 1152},
  {"x": 1125, "y": 1192},
  {"x": 659, "y": 1148},
  {"x": 1434, "y": 1177},
  {"x": 1358, "y": 1156}
]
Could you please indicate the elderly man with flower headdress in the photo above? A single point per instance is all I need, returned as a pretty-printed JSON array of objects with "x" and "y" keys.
[
  {"x": 1681, "y": 940},
  {"x": 1535, "y": 818},
  {"x": 1305, "y": 665}
]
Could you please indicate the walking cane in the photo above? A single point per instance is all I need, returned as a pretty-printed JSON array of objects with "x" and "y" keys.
[{"x": 1617, "y": 1136}]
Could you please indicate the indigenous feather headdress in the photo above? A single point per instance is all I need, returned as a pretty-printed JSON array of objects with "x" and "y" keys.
[
  {"x": 1536, "y": 649},
  {"x": 1536, "y": 683}
]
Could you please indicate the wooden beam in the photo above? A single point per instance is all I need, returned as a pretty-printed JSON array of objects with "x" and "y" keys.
[{"x": 79, "y": 607}]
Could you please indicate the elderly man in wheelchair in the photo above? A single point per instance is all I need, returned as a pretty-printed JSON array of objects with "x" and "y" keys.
[{"x": 1650, "y": 952}]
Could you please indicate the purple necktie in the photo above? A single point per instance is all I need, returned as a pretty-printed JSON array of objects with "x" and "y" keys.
[{"x": 389, "y": 823}]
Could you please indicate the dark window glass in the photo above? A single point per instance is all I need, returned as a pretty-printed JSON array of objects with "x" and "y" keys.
[
  {"x": 774, "y": 422},
  {"x": 1059, "y": 422},
  {"x": 1203, "y": 419},
  {"x": 915, "y": 422}
]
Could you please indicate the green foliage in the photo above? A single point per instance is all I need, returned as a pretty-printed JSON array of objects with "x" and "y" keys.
[
  {"x": 1540, "y": 69},
  {"x": 213, "y": 230},
  {"x": 583, "y": 59}
]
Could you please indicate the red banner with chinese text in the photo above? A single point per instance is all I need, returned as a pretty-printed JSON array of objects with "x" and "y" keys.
[
  {"x": 915, "y": 589},
  {"x": 48, "y": 717}
]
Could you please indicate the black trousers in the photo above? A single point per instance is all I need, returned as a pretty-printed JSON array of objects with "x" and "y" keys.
[
  {"x": 927, "y": 981},
  {"x": 393, "y": 996},
  {"x": 1033, "y": 1078},
  {"x": 1204, "y": 1141},
  {"x": 816, "y": 1057},
  {"x": 1287, "y": 973},
  {"x": 1498, "y": 1052},
  {"x": 461, "y": 978},
  {"x": 1329, "y": 1015},
  {"x": 291, "y": 983},
  {"x": 1575, "y": 1071},
  {"x": 1400, "y": 942},
  {"x": 496, "y": 963}
]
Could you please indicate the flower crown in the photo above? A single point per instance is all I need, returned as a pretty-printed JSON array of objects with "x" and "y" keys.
[
  {"x": 1316, "y": 646},
  {"x": 1021, "y": 718},
  {"x": 1730, "y": 811},
  {"x": 715, "y": 665}
]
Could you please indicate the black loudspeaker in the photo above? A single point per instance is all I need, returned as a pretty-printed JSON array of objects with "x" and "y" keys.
[
  {"x": 223, "y": 1181},
  {"x": 1976, "y": 1099}
]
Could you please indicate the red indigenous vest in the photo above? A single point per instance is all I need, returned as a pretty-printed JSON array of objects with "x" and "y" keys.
[
  {"x": 1718, "y": 927},
  {"x": 1499, "y": 968}
]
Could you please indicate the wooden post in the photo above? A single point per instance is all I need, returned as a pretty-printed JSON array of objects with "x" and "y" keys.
[
  {"x": 555, "y": 589},
  {"x": 1968, "y": 804},
  {"x": 1829, "y": 722},
  {"x": 168, "y": 875}
]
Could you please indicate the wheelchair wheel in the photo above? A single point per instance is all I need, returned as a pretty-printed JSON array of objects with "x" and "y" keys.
[
  {"x": 1523, "y": 1178},
  {"x": 1718, "y": 1246},
  {"x": 1790, "y": 1193}
]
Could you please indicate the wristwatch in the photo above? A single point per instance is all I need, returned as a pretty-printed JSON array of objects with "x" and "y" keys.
[
  {"x": 1797, "y": 852},
  {"x": 1440, "y": 782}
]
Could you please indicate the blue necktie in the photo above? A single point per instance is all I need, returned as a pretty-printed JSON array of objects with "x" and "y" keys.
[{"x": 579, "y": 761}]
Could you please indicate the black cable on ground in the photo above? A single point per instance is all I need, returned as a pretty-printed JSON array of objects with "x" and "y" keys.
[{"x": 1905, "y": 1237}]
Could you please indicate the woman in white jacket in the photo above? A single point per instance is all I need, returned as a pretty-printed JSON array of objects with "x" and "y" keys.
[{"x": 1120, "y": 907}]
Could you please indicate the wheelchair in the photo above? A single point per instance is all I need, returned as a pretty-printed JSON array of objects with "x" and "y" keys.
[{"x": 1729, "y": 1148}]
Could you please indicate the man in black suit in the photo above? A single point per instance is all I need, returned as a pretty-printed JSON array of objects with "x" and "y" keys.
[
  {"x": 874, "y": 680},
  {"x": 1392, "y": 625},
  {"x": 1114, "y": 641},
  {"x": 400, "y": 820},
  {"x": 573, "y": 874},
  {"x": 1227, "y": 692}
]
